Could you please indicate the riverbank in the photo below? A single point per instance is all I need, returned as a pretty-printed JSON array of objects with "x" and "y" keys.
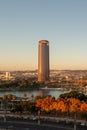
[{"x": 18, "y": 89}]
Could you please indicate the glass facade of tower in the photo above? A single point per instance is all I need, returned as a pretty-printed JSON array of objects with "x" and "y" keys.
[{"x": 43, "y": 60}]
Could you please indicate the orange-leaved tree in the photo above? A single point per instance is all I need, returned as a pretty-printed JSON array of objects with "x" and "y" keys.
[{"x": 45, "y": 104}]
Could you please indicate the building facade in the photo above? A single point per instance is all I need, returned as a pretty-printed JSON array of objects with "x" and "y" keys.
[{"x": 43, "y": 61}]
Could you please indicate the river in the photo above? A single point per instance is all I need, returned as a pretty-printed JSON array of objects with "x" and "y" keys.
[{"x": 54, "y": 93}]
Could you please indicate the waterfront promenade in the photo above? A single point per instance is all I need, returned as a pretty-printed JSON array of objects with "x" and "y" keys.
[
  {"x": 32, "y": 117},
  {"x": 31, "y": 122}
]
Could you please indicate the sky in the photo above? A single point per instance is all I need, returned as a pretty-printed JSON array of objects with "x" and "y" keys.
[{"x": 24, "y": 22}]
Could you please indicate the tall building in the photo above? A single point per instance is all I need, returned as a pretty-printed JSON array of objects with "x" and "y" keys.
[
  {"x": 7, "y": 76},
  {"x": 43, "y": 61}
]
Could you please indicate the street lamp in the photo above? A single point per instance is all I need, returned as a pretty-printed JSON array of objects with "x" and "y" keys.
[
  {"x": 5, "y": 101},
  {"x": 39, "y": 117}
]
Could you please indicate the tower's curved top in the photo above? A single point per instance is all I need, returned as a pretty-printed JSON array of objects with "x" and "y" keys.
[{"x": 43, "y": 42}]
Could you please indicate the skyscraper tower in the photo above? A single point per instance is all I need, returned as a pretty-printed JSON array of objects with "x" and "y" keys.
[{"x": 43, "y": 61}]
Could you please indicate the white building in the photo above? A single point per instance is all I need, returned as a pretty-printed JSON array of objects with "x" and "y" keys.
[{"x": 7, "y": 76}]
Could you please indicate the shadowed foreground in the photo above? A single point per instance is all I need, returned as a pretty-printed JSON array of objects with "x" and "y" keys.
[{"x": 35, "y": 125}]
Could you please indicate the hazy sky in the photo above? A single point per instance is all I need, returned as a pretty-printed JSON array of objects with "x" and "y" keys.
[{"x": 24, "y": 22}]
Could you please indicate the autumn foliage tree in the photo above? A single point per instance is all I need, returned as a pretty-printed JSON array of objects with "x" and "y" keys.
[
  {"x": 45, "y": 104},
  {"x": 70, "y": 105}
]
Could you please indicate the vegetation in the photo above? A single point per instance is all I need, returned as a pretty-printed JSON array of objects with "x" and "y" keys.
[
  {"x": 63, "y": 106},
  {"x": 74, "y": 94},
  {"x": 19, "y": 84}
]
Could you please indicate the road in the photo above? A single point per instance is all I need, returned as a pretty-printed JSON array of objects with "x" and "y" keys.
[
  {"x": 27, "y": 126},
  {"x": 21, "y": 124},
  {"x": 30, "y": 122},
  {"x": 25, "y": 116}
]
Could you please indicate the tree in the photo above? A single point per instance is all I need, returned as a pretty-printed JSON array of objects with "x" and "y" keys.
[
  {"x": 73, "y": 94},
  {"x": 25, "y": 96}
]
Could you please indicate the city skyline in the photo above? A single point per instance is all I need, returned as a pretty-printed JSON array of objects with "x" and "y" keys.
[{"x": 24, "y": 22}]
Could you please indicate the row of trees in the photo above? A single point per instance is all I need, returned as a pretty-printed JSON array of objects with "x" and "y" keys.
[
  {"x": 74, "y": 94},
  {"x": 63, "y": 105},
  {"x": 19, "y": 84},
  {"x": 49, "y": 104},
  {"x": 70, "y": 107},
  {"x": 57, "y": 107}
]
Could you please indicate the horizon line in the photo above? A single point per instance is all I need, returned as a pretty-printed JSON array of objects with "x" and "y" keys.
[{"x": 49, "y": 70}]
